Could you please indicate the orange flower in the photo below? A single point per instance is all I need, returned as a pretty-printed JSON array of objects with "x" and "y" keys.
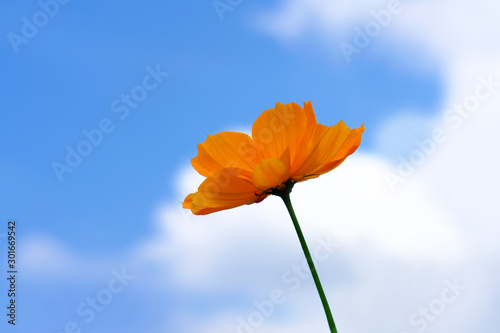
[{"x": 287, "y": 146}]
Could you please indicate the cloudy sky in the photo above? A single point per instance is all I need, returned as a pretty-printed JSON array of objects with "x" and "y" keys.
[{"x": 104, "y": 104}]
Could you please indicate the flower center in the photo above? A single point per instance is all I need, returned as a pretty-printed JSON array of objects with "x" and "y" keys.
[{"x": 283, "y": 189}]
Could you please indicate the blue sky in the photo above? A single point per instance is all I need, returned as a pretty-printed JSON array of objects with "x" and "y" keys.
[{"x": 221, "y": 76}]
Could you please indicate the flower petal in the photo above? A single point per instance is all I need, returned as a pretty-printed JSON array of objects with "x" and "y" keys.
[
  {"x": 328, "y": 148},
  {"x": 349, "y": 146},
  {"x": 226, "y": 150},
  {"x": 271, "y": 172},
  {"x": 284, "y": 126},
  {"x": 227, "y": 188}
]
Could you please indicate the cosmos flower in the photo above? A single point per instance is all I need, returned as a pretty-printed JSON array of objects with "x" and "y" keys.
[{"x": 287, "y": 146}]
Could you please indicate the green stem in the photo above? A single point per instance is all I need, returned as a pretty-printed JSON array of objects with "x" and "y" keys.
[{"x": 285, "y": 195}]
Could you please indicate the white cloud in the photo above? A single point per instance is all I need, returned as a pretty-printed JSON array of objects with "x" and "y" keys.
[
  {"x": 456, "y": 33},
  {"x": 295, "y": 18},
  {"x": 43, "y": 257},
  {"x": 456, "y": 30},
  {"x": 44, "y": 254},
  {"x": 381, "y": 236}
]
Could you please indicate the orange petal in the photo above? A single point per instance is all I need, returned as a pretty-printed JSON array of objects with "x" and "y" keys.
[
  {"x": 271, "y": 172},
  {"x": 223, "y": 190},
  {"x": 284, "y": 126},
  {"x": 226, "y": 150},
  {"x": 349, "y": 146},
  {"x": 328, "y": 148}
]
